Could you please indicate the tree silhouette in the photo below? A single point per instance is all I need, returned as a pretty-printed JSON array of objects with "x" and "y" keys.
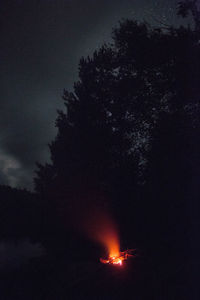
[
  {"x": 113, "y": 114},
  {"x": 20, "y": 214},
  {"x": 184, "y": 7}
]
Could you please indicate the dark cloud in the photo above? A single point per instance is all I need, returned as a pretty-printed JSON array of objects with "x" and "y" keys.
[{"x": 41, "y": 43}]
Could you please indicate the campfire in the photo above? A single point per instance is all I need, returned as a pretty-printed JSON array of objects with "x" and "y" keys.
[
  {"x": 118, "y": 258},
  {"x": 94, "y": 220}
]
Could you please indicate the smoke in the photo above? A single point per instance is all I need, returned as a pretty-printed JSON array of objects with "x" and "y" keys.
[
  {"x": 100, "y": 227},
  {"x": 90, "y": 216}
]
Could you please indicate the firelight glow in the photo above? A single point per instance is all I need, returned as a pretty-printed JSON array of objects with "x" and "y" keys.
[
  {"x": 117, "y": 260},
  {"x": 93, "y": 220}
]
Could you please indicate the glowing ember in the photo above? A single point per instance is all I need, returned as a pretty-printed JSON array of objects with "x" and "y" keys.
[{"x": 117, "y": 260}]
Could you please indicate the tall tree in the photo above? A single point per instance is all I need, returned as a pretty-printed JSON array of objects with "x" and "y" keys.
[{"x": 106, "y": 131}]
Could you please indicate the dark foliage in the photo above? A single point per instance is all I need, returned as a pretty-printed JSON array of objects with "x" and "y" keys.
[
  {"x": 190, "y": 6},
  {"x": 129, "y": 139},
  {"x": 109, "y": 126},
  {"x": 130, "y": 131},
  {"x": 20, "y": 215}
]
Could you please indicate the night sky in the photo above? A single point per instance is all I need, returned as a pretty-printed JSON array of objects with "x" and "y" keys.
[{"x": 41, "y": 43}]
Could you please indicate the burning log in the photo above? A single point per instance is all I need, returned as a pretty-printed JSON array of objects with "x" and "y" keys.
[{"x": 118, "y": 259}]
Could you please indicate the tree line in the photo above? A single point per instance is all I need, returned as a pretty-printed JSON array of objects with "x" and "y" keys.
[{"x": 130, "y": 132}]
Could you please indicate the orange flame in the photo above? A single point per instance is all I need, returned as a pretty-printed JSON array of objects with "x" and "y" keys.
[
  {"x": 92, "y": 218},
  {"x": 117, "y": 260},
  {"x": 101, "y": 228}
]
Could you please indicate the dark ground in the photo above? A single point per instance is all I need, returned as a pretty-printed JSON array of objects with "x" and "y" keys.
[{"x": 146, "y": 276}]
